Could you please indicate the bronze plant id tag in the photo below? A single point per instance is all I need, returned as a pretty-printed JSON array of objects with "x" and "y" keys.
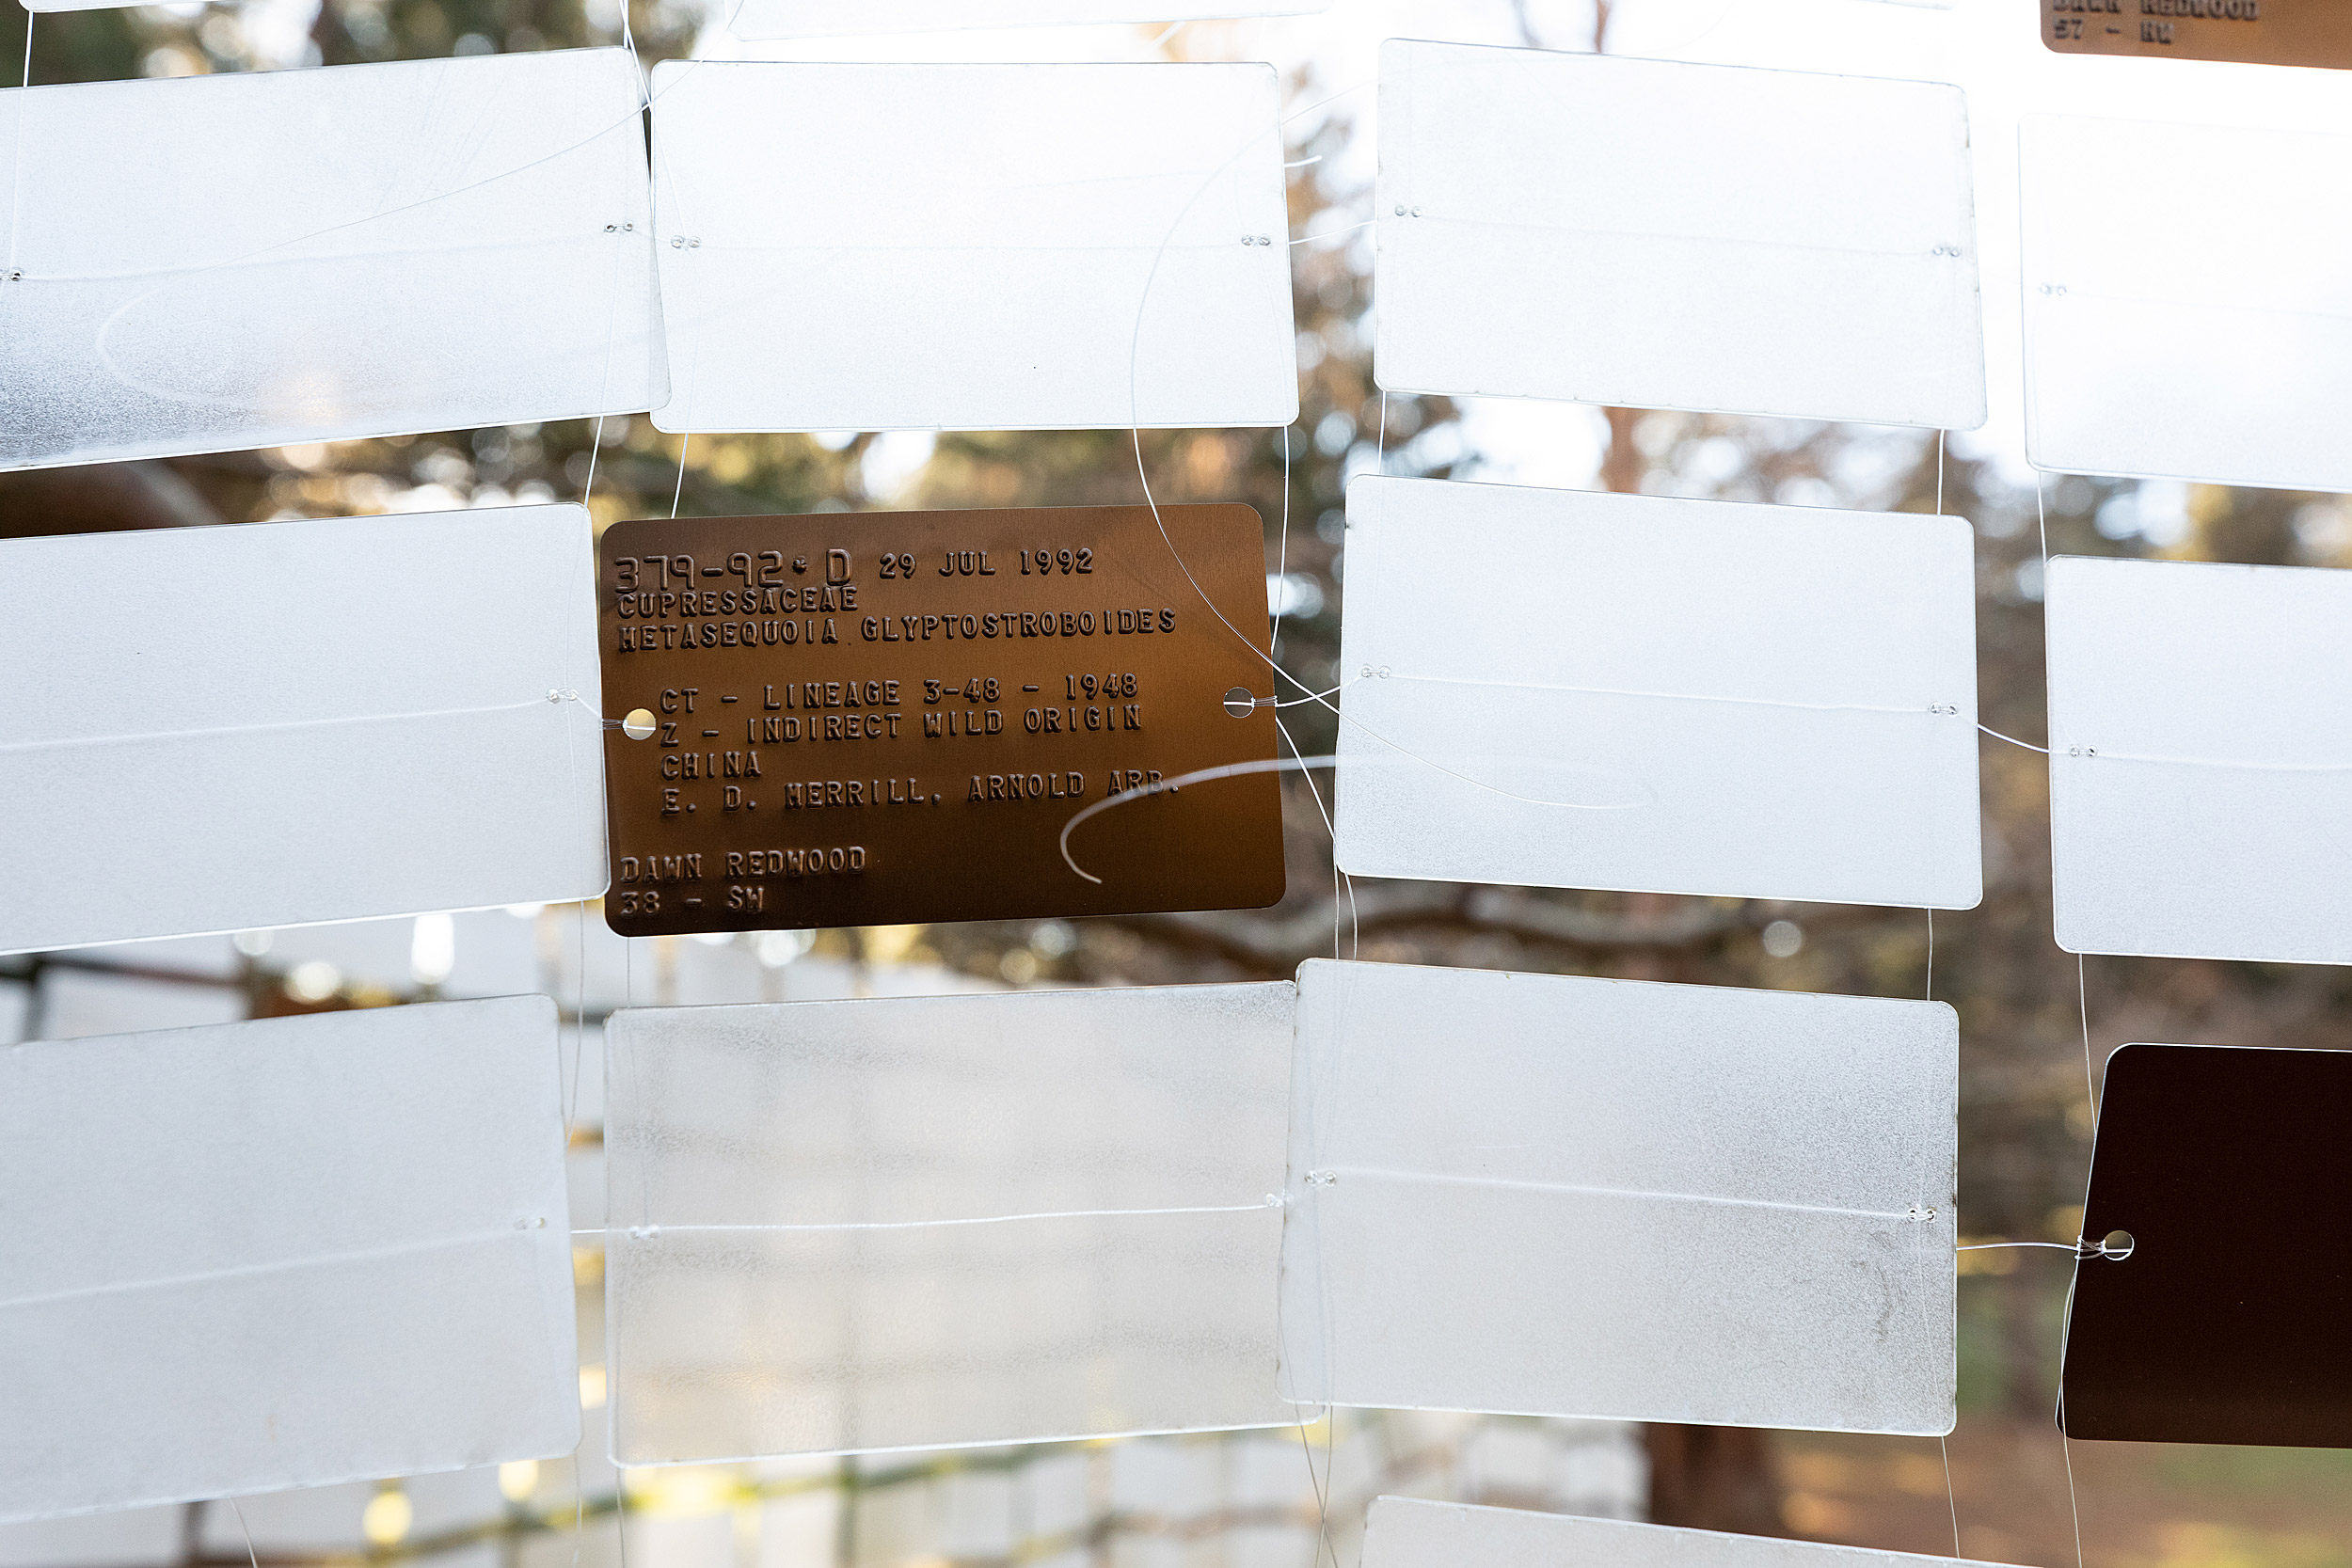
[
  {"x": 882, "y": 717},
  {"x": 2253, "y": 32}
]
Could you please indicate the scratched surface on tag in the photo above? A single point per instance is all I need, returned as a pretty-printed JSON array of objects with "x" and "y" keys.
[
  {"x": 2253, "y": 32},
  {"x": 882, "y": 717}
]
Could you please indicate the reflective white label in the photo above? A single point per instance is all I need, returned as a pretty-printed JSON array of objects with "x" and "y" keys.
[
  {"x": 2188, "y": 312},
  {"x": 1569, "y": 689},
  {"x": 256, "y": 1256},
  {"x": 942, "y": 1221},
  {"x": 1664, "y": 235},
  {"x": 972, "y": 247},
  {"x": 428, "y": 244},
  {"x": 2201, "y": 759},
  {"x": 224, "y": 729},
  {"x": 1550, "y": 1195}
]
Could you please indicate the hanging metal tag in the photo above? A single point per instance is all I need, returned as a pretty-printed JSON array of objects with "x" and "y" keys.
[
  {"x": 887, "y": 716},
  {"x": 2254, "y": 32}
]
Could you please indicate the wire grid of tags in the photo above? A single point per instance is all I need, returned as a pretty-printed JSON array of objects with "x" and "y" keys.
[
  {"x": 145, "y": 379},
  {"x": 1242, "y": 1499}
]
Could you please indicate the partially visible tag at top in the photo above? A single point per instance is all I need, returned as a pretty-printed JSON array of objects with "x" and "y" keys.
[{"x": 2253, "y": 32}]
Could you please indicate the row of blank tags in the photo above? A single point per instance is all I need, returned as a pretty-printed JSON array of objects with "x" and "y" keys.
[
  {"x": 1576, "y": 690},
  {"x": 1776, "y": 243},
  {"x": 441, "y": 244},
  {"x": 1412, "y": 1532},
  {"x": 876, "y": 1225},
  {"x": 1540, "y": 688},
  {"x": 282, "y": 1254},
  {"x": 277, "y": 1254},
  {"x": 481, "y": 245}
]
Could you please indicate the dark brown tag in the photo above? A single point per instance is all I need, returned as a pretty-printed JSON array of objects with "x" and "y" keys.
[
  {"x": 880, "y": 718},
  {"x": 2255, "y": 32},
  {"x": 2217, "y": 1315}
]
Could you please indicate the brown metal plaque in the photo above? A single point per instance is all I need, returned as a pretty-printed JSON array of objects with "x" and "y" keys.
[
  {"x": 2253, "y": 32},
  {"x": 882, "y": 718}
]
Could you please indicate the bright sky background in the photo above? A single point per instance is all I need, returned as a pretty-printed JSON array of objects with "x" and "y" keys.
[{"x": 1990, "y": 48}]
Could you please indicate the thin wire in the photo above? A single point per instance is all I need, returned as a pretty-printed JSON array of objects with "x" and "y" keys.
[
  {"x": 2082, "y": 996},
  {"x": 2074, "y": 1505},
  {"x": 579, "y": 1500},
  {"x": 2074, "y": 1247},
  {"x": 2013, "y": 740},
  {"x": 2066, "y": 1452},
  {"x": 1951, "y": 1499},
  {"x": 648, "y": 1232},
  {"x": 1306, "y": 109},
  {"x": 1313, "y": 1480},
  {"x": 1930, "y": 996},
  {"x": 1276, "y": 765},
  {"x": 1939, "y": 473},
  {"x": 16, "y": 160},
  {"x": 684, "y": 441},
  {"x": 554, "y": 695},
  {"x": 579, "y": 1018},
  {"x": 1143, "y": 477},
  {"x": 579, "y": 926},
  {"x": 1330, "y": 1460},
  {"x": 1303, "y": 765},
  {"x": 1283, "y": 558},
  {"x": 1135, "y": 349},
  {"x": 1354, "y": 930},
  {"x": 1322, "y": 1490},
  {"x": 1174, "y": 28},
  {"x": 596, "y": 444},
  {"x": 250, "y": 1555},
  {"x": 1330, "y": 233},
  {"x": 580, "y": 1007},
  {"x": 2042, "y": 521}
]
